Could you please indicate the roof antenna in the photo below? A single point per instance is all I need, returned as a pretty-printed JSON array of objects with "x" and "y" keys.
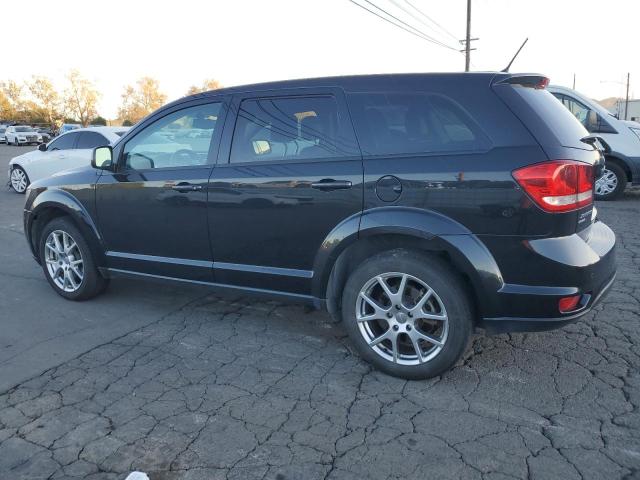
[{"x": 516, "y": 55}]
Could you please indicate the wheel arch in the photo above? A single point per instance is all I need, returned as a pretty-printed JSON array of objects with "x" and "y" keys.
[
  {"x": 618, "y": 160},
  {"x": 57, "y": 203},
  {"x": 413, "y": 229}
]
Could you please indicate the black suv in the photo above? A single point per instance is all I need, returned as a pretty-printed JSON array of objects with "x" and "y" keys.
[{"x": 416, "y": 208}]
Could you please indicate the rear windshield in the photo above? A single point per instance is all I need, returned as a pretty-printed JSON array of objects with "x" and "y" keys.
[{"x": 547, "y": 119}]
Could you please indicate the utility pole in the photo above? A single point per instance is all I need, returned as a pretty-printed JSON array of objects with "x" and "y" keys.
[
  {"x": 626, "y": 103},
  {"x": 467, "y": 41},
  {"x": 574, "y": 81}
]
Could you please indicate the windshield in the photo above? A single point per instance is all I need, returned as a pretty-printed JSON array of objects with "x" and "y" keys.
[{"x": 24, "y": 129}]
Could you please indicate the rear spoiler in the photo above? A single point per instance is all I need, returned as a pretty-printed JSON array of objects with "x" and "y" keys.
[
  {"x": 603, "y": 147},
  {"x": 597, "y": 142},
  {"x": 536, "y": 81}
]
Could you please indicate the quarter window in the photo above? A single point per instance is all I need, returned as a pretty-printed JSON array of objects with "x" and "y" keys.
[
  {"x": 275, "y": 129},
  {"x": 399, "y": 123},
  {"x": 180, "y": 139}
]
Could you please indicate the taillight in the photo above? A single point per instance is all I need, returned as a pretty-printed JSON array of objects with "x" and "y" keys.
[
  {"x": 567, "y": 304},
  {"x": 558, "y": 185}
]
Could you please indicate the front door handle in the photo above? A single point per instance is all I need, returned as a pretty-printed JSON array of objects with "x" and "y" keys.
[
  {"x": 328, "y": 184},
  {"x": 186, "y": 187}
]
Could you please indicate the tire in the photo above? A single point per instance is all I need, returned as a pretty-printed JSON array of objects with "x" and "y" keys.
[
  {"x": 449, "y": 301},
  {"x": 612, "y": 182},
  {"x": 84, "y": 280},
  {"x": 19, "y": 180}
]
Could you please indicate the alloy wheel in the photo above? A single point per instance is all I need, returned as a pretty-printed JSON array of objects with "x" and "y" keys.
[
  {"x": 18, "y": 180},
  {"x": 401, "y": 318},
  {"x": 64, "y": 261},
  {"x": 607, "y": 183}
]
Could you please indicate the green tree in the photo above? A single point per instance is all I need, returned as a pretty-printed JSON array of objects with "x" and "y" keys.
[
  {"x": 99, "y": 121},
  {"x": 127, "y": 123}
]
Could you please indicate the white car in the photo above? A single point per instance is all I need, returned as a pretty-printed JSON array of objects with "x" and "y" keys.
[
  {"x": 3, "y": 138},
  {"x": 623, "y": 162},
  {"x": 69, "y": 150},
  {"x": 22, "y": 135}
]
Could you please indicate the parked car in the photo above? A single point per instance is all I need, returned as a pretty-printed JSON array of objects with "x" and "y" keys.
[
  {"x": 22, "y": 135},
  {"x": 70, "y": 150},
  {"x": 3, "y": 137},
  {"x": 67, "y": 127},
  {"x": 623, "y": 162},
  {"x": 418, "y": 208},
  {"x": 46, "y": 134}
]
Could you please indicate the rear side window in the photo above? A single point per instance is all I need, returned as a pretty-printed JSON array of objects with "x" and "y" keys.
[
  {"x": 64, "y": 142},
  {"x": 413, "y": 123},
  {"x": 287, "y": 128},
  {"x": 91, "y": 140}
]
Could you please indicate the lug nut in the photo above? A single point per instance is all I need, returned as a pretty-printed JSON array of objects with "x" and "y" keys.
[
  {"x": 396, "y": 327},
  {"x": 397, "y": 307},
  {"x": 408, "y": 327},
  {"x": 410, "y": 315},
  {"x": 389, "y": 315}
]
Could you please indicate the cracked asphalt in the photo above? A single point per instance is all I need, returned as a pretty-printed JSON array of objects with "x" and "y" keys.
[{"x": 221, "y": 387}]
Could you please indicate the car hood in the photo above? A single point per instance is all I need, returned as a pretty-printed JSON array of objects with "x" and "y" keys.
[{"x": 24, "y": 158}]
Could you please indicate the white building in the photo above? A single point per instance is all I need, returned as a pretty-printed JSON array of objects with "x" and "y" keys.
[{"x": 634, "y": 109}]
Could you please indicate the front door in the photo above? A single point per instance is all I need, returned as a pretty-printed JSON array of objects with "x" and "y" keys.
[
  {"x": 290, "y": 173},
  {"x": 152, "y": 209}
]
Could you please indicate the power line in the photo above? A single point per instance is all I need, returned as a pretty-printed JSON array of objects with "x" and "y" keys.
[
  {"x": 410, "y": 26},
  {"x": 431, "y": 20},
  {"x": 417, "y": 18},
  {"x": 416, "y": 33}
]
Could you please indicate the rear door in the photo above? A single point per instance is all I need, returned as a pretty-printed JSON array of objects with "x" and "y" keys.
[
  {"x": 57, "y": 156},
  {"x": 290, "y": 173}
]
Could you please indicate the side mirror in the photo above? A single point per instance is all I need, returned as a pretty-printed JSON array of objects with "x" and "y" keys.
[
  {"x": 593, "y": 123},
  {"x": 102, "y": 158},
  {"x": 42, "y": 147}
]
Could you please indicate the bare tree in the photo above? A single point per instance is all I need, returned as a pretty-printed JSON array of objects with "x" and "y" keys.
[
  {"x": 208, "y": 84},
  {"x": 80, "y": 98},
  {"x": 140, "y": 101}
]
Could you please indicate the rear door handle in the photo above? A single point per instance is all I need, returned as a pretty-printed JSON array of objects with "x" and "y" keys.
[
  {"x": 186, "y": 187},
  {"x": 328, "y": 184}
]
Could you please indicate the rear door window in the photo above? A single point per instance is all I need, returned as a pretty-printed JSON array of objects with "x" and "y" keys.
[
  {"x": 91, "y": 140},
  {"x": 286, "y": 128},
  {"x": 413, "y": 123}
]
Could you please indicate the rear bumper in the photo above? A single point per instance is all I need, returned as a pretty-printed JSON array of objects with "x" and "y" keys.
[{"x": 580, "y": 264}]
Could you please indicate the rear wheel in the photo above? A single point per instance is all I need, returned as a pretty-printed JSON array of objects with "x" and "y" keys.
[
  {"x": 407, "y": 313},
  {"x": 19, "y": 179},
  {"x": 68, "y": 263},
  {"x": 611, "y": 183}
]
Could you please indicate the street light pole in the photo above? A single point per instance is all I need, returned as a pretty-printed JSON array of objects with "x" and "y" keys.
[
  {"x": 626, "y": 103},
  {"x": 467, "y": 43}
]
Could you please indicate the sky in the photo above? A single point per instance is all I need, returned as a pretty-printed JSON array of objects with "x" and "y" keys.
[{"x": 182, "y": 42}]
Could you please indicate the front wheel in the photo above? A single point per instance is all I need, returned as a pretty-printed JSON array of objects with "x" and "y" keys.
[
  {"x": 19, "y": 179},
  {"x": 407, "y": 313},
  {"x": 611, "y": 183},
  {"x": 67, "y": 261}
]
